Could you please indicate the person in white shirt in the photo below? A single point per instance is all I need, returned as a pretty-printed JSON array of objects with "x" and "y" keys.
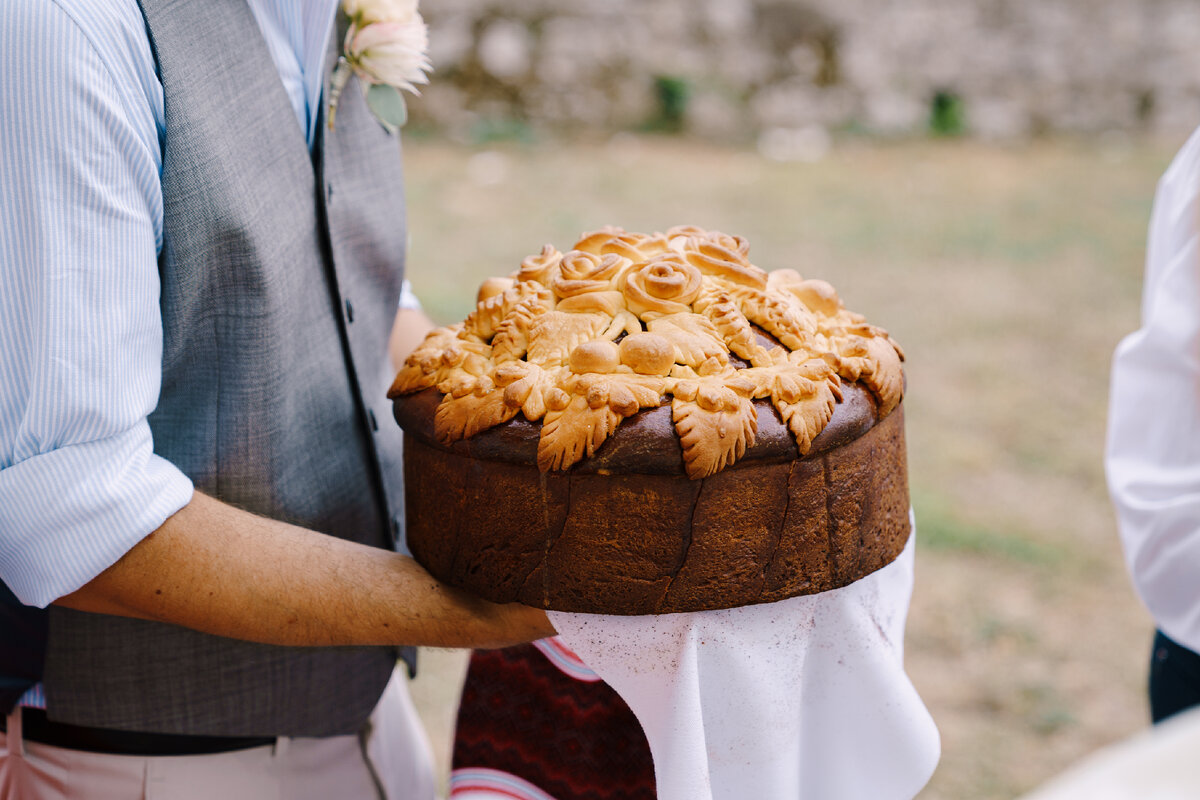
[{"x": 1152, "y": 455}]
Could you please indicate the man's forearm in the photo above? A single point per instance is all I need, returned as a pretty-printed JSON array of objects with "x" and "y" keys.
[{"x": 228, "y": 572}]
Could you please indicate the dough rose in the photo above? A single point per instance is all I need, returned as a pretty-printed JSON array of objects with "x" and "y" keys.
[
  {"x": 541, "y": 267},
  {"x": 637, "y": 247},
  {"x": 580, "y": 273},
  {"x": 664, "y": 285}
]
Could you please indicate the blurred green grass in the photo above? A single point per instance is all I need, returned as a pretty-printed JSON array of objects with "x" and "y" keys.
[
  {"x": 942, "y": 530},
  {"x": 1008, "y": 273}
]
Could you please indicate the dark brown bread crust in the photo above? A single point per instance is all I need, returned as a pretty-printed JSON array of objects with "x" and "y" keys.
[{"x": 626, "y": 532}]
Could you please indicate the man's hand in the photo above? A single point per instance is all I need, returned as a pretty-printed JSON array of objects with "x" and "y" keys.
[{"x": 224, "y": 571}]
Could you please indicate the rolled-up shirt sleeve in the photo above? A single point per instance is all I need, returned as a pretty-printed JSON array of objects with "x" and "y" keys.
[
  {"x": 1153, "y": 443},
  {"x": 80, "y": 328}
]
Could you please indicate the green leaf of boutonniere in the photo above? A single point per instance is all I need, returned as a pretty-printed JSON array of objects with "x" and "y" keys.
[{"x": 388, "y": 106}]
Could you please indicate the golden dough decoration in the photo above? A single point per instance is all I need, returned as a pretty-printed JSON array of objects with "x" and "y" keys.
[
  {"x": 474, "y": 412},
  {"x": 712, "y": 258},
  {"x": 886, "y": 379},
  {"x": 803, "y": 389},
  {"x": 585, "y": 411},
  {"x": 526, "y": 386},
  {"x": 637, "y": 247},
  {"x": 607, "y": 302},
  {"x": 573, "y": 433},
  {"x": 511, "y": 341},
  {"x": 647, "y": 354},
  {"x": 716, "y": 423},
  {"x": 734, "y": 329},
  {"x": 494, "y": 307},
  {"x": 784, "y": 318},
  {"x": 694, "y": 337},
  {"x": 582, "y": 273},
  {"x": 666, "y": 284},
  {"x": 440, "y": 356},
  {"x": 541, "y": 267},
  {"x": 553, "y": 335},
  {"x": 621, "y": 322}
]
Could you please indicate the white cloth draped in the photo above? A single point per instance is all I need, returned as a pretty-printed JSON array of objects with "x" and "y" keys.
[{"x": 803, "y": 698}]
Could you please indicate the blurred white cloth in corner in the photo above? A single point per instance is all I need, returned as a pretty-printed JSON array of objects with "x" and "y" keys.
[
  {"x": 1157, "y": 764},
  {"x": 803, "y": 698}
]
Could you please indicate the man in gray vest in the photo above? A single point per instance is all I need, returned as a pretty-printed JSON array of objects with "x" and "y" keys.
[{"x": 198, "y": 477}]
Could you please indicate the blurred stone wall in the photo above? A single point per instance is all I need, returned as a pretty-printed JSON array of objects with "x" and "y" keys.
[{"x": 794, "y": 70}]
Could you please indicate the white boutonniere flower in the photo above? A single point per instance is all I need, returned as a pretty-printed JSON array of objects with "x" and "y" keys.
[{"x": 386, "y": 46}]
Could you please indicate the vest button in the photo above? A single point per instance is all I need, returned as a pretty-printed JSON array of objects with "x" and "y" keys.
[
  {"x": 371, "y": 419},
  {"x": 328, "y": 193},
  {"x": 349, "y": 312}
]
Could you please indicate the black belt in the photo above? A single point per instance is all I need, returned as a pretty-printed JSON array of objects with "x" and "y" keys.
[{"x": 36, "y": 727}]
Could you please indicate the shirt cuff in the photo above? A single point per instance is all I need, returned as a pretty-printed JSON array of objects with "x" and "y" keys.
[
  {"x": 68, "y": 514},
  {"x": 408, "y": 300}
]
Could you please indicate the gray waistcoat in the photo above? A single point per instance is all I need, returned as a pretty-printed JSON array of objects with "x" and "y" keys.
[{"x": 279, "y": 285}]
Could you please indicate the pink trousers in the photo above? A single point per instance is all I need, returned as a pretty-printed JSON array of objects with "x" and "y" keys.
[{"x": 390, "y": 760}]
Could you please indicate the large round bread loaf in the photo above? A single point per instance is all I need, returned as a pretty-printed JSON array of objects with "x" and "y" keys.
[{"x": 743, "y": 475}]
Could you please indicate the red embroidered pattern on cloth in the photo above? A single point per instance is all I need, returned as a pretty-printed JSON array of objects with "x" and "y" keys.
[{"x": 529, "y": 730}]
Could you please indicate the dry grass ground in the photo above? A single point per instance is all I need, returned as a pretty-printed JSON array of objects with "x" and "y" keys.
[{"x": 1008, "y": 274}]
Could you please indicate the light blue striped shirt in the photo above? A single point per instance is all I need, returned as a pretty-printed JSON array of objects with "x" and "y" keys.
[{"x": 81, "y": 219}]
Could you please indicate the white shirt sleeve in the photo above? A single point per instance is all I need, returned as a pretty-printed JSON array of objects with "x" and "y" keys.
[
  {"x": 408, "y": 298},
  {"x": 1153, "y": 448},
  {"x": 80, "y": 328}
]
